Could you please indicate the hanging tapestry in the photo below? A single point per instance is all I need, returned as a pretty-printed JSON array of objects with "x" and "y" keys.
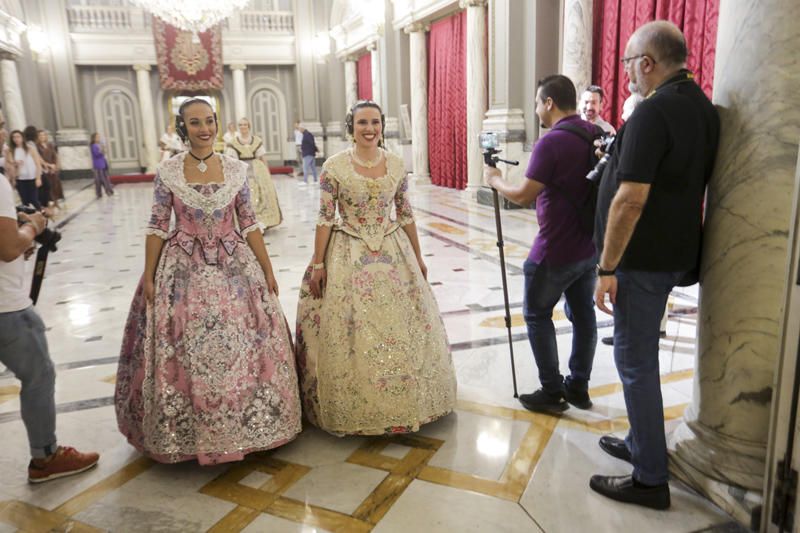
[{"x": 186, "y": 62}]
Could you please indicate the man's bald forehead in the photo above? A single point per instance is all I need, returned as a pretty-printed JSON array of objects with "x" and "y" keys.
[{"x": 662, "y": 40}]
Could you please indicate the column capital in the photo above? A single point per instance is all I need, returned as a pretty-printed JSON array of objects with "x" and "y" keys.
[
  {"x": 6, "y": 55},
  {"x": 415, "y": 27},
  {"x": 472, "y": 3},
  {"x": 238, "y": 66},
  {"x": 351, "y": 58},
  {"x": 372, "y": 46},
  {"x": 141, "y": 67}
]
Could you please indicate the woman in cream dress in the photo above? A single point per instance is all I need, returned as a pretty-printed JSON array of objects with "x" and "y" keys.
[
  {"x": 250, "y": 149},
  {"x": 371, "y": 347}
]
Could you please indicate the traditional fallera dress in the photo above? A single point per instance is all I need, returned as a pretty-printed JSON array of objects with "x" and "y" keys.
[
  {"x": 207, "y": 371},
  {"x": 373, "y": 353},
  {"x": 262, "y": 189}
]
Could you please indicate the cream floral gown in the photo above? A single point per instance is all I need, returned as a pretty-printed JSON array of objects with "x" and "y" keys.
[
  {"x": 264, "y": 197},
  {"x": 373, "y": 354}
]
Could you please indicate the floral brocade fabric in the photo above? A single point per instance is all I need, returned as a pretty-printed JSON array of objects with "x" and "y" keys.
[
  {"x": 207, "y": 370},
  {"x": 373, "y": 354},
  {"x": 263, "y": 196}
]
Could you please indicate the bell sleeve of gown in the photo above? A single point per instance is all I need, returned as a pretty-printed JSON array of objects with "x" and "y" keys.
[
  {"x": 328, "y": 196},
  {"x": 162, "y": 210},
  {"x": 244, "y": 211}
]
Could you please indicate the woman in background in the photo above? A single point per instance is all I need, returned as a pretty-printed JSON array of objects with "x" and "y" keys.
[
  {"x": 100, "y": 166},
  {"x": 50, "y": 167},
  {"x": 27, "y": 169}
]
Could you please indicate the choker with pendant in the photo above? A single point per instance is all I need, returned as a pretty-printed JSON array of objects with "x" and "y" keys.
[
  {"x": 367, "y": 164},
  {"x": 201, "y": 166}
]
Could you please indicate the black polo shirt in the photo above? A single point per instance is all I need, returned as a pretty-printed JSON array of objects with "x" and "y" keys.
[{"x": 670, "y": 142}]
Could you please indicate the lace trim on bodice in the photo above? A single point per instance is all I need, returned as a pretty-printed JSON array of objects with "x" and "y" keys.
[{"x": 235, "y": 172}]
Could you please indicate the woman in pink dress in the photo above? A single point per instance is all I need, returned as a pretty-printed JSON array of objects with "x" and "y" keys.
[{"x": 206, "y": 369}]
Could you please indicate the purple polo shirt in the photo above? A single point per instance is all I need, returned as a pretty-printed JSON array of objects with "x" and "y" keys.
[{"x": 561, "y": 159}]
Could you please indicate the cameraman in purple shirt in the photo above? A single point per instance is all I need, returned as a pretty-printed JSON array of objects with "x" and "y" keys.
[{"x": 562, "y": 259}]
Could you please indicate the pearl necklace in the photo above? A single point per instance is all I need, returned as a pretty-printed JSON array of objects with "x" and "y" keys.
[{"x": 367, "y": 164}]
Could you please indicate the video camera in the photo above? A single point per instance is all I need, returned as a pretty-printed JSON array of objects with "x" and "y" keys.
[
  {"x": 48, "y": 238},
  {"x": 605, "y": 146},
  {"x": 489, "y": 144}
]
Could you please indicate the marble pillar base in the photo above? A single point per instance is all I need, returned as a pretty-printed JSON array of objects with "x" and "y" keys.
[
  {"x": 735, "y": 466},
  {"x": 74, "y": 154}
]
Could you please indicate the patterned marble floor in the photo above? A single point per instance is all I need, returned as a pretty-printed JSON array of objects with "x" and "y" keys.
[{"x": 491, "y": 466}]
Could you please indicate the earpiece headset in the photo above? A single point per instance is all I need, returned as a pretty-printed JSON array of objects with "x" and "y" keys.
[
  {"x": 348, "y": 120},
  {"x": 180, "y": 124}
]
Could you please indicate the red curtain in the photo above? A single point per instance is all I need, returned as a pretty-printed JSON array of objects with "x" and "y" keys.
[
  {"x": 447, "y": 101},
  {"x": 364, "y": 76},
  {"x": 616, "y": 20}
]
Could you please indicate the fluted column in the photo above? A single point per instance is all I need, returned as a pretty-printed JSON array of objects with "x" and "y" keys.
[
  {"x": 720, "y": 447},
  {"x": 12, "y": 94},
  {"x": 375, "y": 65},
  {"x": 419, "y": 99},
  {"x": 350, "y": 82},
  {"x": 576, "y": 54},
  {"x": 239, "y": 91},
  {"x": 476, "y": 88},
  {"x": 147, "y": 111}
]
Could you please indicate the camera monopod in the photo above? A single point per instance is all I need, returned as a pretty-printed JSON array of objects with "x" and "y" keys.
[{"x": 491, "y": 160}]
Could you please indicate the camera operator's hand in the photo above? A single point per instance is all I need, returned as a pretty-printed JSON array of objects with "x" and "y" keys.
[
  {"x": 37, "y": 220},
  {"x": 490, "y": 174},
  {"x": 29, "y": 252},
  {"x": 149, "y": 290},
  {"x": 598, "y": 143}
]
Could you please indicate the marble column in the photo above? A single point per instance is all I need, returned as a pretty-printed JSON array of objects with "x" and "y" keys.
[
  {"x": 12, "y": 94},
  {"x": 239, "y": 91},
  {"x": 350, "y": 82},
  {"x": 418, "y": 53},
  {"x": 308, "y": 109},
  {"x": 150, "y": 134},
  {"x": 72, "y": 137},
  {"x": 375, "y": 65},
  {"x": 720, "y": 447},
  {"x": 506, "y": 92},
  {"x": 476, "y": 88},
  {"x": 576, "y": 54}
]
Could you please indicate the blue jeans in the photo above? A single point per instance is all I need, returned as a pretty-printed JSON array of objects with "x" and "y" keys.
[
  {"x": 544, "y": 285},
  {"x": 641, "y": 298},
  {"x": 23, "y": 349},
  {"x": 309, "y": 168}
]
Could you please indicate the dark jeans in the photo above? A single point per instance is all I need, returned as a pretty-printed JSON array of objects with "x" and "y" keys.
[
  {"x": 28, "y": 193},
  {"x": 641, "y": 298},
  {"x": 544, "y": 285}
]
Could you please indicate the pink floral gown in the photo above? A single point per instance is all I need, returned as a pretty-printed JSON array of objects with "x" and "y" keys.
[
  {"x": 207, "y": 371},
  {"x": 372, "y": 352}
]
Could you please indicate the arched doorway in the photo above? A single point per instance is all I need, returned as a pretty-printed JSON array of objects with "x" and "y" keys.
[
  {"x": 269, "y": 121},
  {"x": 116, "y": 120}
]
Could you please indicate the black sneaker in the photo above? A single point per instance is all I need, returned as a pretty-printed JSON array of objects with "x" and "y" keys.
[
  {"x": 608, "y": 341},
  {"x": 578, "y": 397},
  {"x": 542, "y": 401}
]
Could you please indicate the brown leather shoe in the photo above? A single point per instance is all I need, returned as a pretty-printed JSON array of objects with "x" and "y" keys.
[{"x": 65, "y": 462}]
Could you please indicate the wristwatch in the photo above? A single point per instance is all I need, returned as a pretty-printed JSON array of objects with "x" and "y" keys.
[
  {"x": 318, "y": 266},
  {"x": 601, "y": 272}
]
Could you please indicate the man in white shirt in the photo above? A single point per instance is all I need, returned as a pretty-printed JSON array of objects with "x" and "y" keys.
[
  {"x": 592, "y": 105},
  {"x": 23, "y": 348}
]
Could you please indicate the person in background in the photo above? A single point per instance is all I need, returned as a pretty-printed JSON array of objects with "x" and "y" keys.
[
  {"x": 230, "y": 134},
  {"x": 308, "y": 151},
  {"x": 100, "y": 166},
  {"x": 298, "y": 142},
  {"x": 50, "y": 167},
  {"x": 27, "y": 169},
  {"x": 170, "y": 143},
  {"x": 591, "y": 106}
]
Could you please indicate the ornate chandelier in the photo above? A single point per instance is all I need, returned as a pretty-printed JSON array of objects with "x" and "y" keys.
[{"x": 195, "y": 16}]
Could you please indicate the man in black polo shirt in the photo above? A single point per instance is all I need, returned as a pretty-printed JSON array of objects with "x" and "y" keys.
[{"x": 648, "y": 234}]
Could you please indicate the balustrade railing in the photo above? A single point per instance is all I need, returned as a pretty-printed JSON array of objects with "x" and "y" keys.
[{"x": 103, "y": 19}]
